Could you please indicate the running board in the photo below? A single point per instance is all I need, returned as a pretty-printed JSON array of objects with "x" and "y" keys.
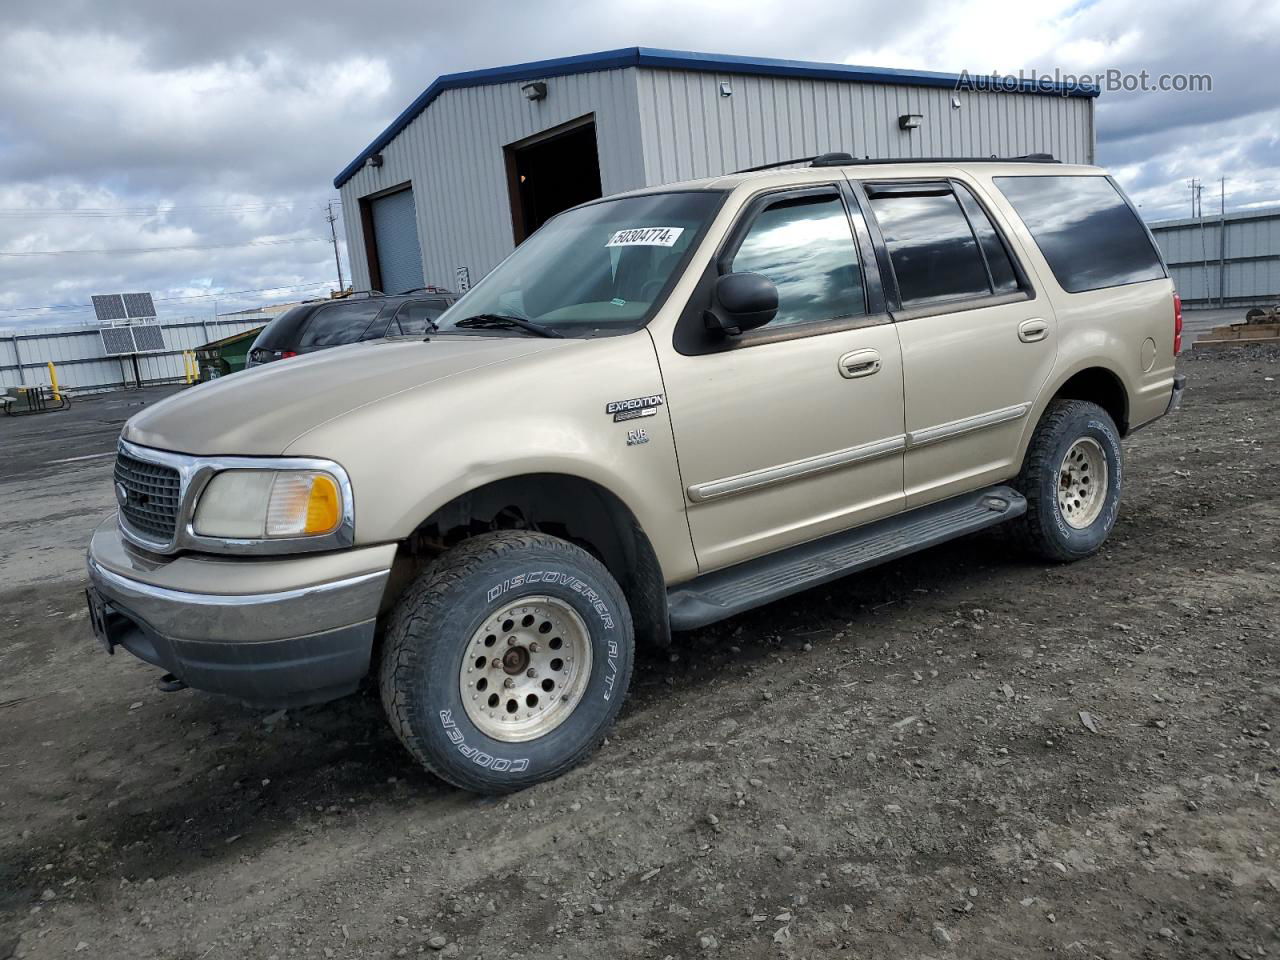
[{"x": 723, "y": 593}]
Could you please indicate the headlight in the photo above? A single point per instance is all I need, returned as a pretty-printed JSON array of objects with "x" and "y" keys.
[{"x": 269, "y": 504}]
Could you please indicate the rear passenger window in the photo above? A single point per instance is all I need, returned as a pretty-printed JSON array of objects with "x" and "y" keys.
[
  {"x": 805, "y": 246},
  {"x": 1003, "y": 278},
  {"x": 934, "y": 253},
  {"x": 1088, "y": 233},
  {"x": 340, "y": 323}
]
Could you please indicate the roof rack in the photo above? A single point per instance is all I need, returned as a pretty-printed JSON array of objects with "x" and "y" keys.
[
  {"x": 429, "y": 288},
  {"x": 848, "y": 160}
]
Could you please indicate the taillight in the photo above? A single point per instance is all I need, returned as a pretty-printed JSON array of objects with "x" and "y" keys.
[
  {"x": 1177, "y": 324},
  {"x": 286, "y": 354}
]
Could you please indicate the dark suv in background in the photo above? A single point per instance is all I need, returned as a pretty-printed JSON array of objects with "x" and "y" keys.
[{"x": 319, "y": 324}]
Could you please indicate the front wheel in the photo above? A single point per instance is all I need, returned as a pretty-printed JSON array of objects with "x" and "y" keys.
[
  {"x": 507, "y": 660},
  {"x": 1072, "y": 478}
]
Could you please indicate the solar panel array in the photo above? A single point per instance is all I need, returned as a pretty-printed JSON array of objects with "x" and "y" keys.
[
  {"x": 139, "y": 305},
  {"x": 148, "y": 337},
  {"x": 117, "y": 340},
  {"x": 144, "y": 338},
  {"x": 108, "y": 307}
]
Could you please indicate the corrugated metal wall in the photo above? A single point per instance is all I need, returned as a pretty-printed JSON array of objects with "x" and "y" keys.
[
  {"x": 1250, "y": 274},
  {"x": 82, "y": 364},
  {"x": 452, "y": 154},
  {"x": 656, "y": 126},
  {"x": 691, "y": 131}
]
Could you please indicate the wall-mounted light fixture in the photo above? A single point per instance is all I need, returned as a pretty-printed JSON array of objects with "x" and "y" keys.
[
  {"x": 535, "y": 90},
  {"x": 375, "y": 160},
  {"x": 726, "y": 90},
  {"x": 955, "y": 103},
  {"x": 909, "y": 121}
]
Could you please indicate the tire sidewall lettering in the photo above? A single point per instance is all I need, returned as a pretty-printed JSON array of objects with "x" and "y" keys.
[
  {"x": 1087, "y": 539},
  {"x": 605, "y": 625}
]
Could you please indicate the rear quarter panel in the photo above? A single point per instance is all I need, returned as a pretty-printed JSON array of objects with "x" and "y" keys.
[{"x": 1104, "y": 328}]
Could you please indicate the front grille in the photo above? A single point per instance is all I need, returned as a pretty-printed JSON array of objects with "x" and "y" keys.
[{"x": 148, "y": 494}]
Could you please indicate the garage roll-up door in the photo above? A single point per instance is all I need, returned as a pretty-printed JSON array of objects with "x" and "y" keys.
[{"x": 395, "y": 236}]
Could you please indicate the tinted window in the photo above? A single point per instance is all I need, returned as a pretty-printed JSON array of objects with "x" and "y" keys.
[
  {"x": 340, "y": 323},
  {"x": 416, "y": 317},
  {"x": 934, "y": 253},
  {"x": 1085, "y": 229},
  {"x": 804, "y": 245},
  {"x": 1003, "y": 278}
]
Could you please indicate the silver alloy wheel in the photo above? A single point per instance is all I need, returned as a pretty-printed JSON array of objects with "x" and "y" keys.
[
  {"x": 526, "y": 669},
  {"x": 1082, "y": 483}
]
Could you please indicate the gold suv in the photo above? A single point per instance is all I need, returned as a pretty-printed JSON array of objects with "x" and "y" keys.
[{"x": 664, "y": 408}]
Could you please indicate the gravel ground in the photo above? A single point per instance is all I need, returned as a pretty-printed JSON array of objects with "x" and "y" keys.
[{"x": 960, "y": 754}]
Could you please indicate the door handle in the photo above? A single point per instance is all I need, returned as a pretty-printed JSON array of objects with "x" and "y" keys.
[
  {"x": 1029, "y": 331},
  {"x": 859, "y": 363}
]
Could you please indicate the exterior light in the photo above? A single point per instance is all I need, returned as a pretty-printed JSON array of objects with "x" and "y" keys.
[
  {"x": 726, "y": 90},
  {"x": 375, "y": 160},
  {"x": 909, "y": 121},
  {"x": 536, "y": 90}
]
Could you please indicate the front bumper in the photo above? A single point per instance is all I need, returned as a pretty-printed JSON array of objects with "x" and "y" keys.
[{"x": 271, "y": 632}]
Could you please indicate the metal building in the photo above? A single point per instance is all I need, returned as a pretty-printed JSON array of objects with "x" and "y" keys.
[
  {"x": 482, "y": 158},
  {"x": 1213, "y": 266}
]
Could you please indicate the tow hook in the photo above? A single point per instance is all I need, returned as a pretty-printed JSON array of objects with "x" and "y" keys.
[{"x": 170, "y": 684}]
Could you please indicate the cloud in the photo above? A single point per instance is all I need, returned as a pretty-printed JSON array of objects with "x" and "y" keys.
[{"x": 223, "y": 123}]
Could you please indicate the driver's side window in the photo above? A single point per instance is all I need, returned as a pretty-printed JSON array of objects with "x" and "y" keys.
[{"x": 804, "y": 244}]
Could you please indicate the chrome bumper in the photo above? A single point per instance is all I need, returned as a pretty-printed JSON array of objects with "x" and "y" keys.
[
  {"x": 244, "y": 618},
  {"x": 286, "y": 647}
]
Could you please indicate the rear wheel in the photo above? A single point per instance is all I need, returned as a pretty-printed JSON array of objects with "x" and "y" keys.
[
  {"x": 1072, "y": 478},
  {"x": 507, "y": 660}
]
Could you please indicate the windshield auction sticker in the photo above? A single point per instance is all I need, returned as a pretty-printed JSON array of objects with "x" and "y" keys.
[{"x": 646, "y": 237}]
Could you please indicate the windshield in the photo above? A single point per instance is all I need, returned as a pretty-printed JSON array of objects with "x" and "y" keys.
[{"x": 595, "y": 270}]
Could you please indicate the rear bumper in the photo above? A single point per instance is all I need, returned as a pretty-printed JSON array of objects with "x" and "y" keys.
[{"x": 300, "y": 644}]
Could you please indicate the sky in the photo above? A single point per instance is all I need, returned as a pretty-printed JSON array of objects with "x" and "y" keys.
[{"x": 213, "y": 131}]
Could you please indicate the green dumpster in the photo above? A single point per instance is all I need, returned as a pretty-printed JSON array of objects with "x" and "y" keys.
[{"x": 221, "y": 357}]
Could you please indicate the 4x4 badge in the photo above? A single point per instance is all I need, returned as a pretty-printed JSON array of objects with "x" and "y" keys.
[{"x": 633, "y": 409}]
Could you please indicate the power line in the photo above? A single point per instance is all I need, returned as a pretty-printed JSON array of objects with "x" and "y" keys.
[
  {"x": 203, "y": 246},
  {"x": 222, "y": 295}
]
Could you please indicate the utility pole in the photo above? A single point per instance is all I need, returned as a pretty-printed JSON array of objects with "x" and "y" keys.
[
  {"x": 1204, "y": 245},
  {"x": 333, "y": 232},
  {"x": 1222, "y": 242}
]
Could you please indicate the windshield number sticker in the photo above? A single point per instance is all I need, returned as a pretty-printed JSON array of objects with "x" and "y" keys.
[{"x": 646, "y": 237}]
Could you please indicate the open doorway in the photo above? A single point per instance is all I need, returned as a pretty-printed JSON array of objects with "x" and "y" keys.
[{"x": 552, "y": 171}]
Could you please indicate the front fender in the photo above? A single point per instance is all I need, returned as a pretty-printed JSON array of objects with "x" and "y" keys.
[{"x": 412, "y": 453}]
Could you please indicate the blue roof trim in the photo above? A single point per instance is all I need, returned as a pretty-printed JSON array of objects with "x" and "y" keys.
[{"x": 683, "y": 60}]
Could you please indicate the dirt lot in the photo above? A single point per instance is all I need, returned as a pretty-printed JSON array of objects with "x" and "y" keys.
[{"x": 962, "y": 754}]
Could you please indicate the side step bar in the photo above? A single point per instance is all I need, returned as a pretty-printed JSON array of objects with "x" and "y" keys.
[{"x": 723, "y": 593}]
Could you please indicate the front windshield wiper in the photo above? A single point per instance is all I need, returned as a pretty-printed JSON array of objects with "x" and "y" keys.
[{"x": 500, "y": 321}]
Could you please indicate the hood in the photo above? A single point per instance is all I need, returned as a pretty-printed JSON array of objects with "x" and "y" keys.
[{"x": 260, "y": 411}]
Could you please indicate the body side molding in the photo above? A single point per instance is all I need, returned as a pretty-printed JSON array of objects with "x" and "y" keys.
[
  {"x": 956, "y": 428},
  {"x": 713, "y": 489}
]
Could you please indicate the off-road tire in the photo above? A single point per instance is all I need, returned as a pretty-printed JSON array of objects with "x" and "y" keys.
[
  {"x": 1043, "y": 530},
  {"x": 427, "y": 635}
]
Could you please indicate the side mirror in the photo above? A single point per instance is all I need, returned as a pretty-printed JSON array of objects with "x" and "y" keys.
[{"x": 742, "y": 301}]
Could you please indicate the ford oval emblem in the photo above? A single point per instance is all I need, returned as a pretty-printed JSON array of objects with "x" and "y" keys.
[{"x": 122, "y": 494}]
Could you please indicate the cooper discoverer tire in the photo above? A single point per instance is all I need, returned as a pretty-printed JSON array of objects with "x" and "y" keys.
[
  {"x": 1072, "y": 478},
  {"x": 506, "y": 661}
]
